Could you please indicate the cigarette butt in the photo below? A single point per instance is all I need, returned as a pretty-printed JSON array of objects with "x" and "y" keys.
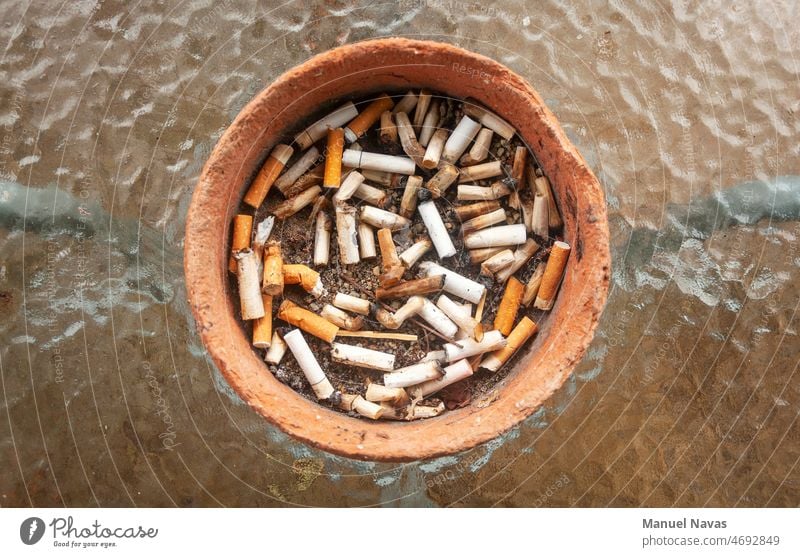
[
  {"x": 455, "y": 283},
  {"x": 518, "y": 176},
  {"x": 372, "y": 195},
  {"x": 484, "y": 221},
  {"x": 442, "y": 180},
  {"x": 388, "y": 131},
  {"x": 468, "y": 212},
  {"x": 378, "y": 161},
  {"x": 348, "y": 187},
  {"x": 489, "y": 119},
  {"x": 252, "y": 306},
  {"x": 413, "y": 254},
  {"x": 434, "y": 147},
  {"x": 480, "y": 172},
  {"x": 543, "y": 187},
  {"x": 346, "y": 234},
  {"x": 437, "y": 231},
  {"x": 413, "y": 374},
  {"x": 492, "y": 340},
  {"x": 423, "y": 103},
  {"x": 426, "y": 285},
  {"x": 532, "y": 287},
  {"x": 497, "y": 262},
  {"x": 307, "y": 321},
  {"x": 509, "y": 306},
  {"x": 408, "y": 204},
  {"x": 352, "y": 303},
  {"x": 395, "y": 320},
  {"x": 311, "y": 178},
  {"x": 396, "y": 396},
  {"x": 366, "y": 241},
  {"x": 508, "y": 235},
  {"x": 459, "y": 140},
  {"x": 408, "y": 140},
  {"x": 267, "y": 175},
  {"x": 382, "y": 219},
  {"x": 309, "y": 364},
  {"x": 461, "y": 317},
  {"x": 361, "y": 123},
  {"x": 481, "y": 193},
  {"x": 318, "y": 129},
  {"x": 262, "y": 327},
  {"x": 300, "y": 167},
  {"x": 297, "y": 203},
  {"x": 333, "y": 158},
  {"x": 308, "y": 279},
  {"x": 261, "y": 237},
  {"x": 482, "y": 254},
  {"x": 322, "y": 239},
  {"x": 437, "y": 319},
  {"x": 452, "y": 374},
  {"x": 242, "y": 229},
  {"x": 272, "y": 277},
  {"x": 521, "y": 256},
  {"x": 409, "y": 413},
  {"x": 523, "y": 332},
  {"x": 385, "y": 179},
  {"x": 429, "y": 124},
  {"x": 380, "y": 335},
  {"x": 362, "y": 357},
  {"x": 362, "y": 406},
  {"x": 553, "y": 273},
  {"x": 342, "y": 319},
  {"x": 406, "y": 104},
  {"x": 392, "y": 266},
  {"x": 539, "y": 218},
  {"x": 277, "y": 349}
]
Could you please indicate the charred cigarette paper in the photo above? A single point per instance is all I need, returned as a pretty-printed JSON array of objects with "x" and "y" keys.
[
  {"x": 322, "y": 239},
  {"x": 362, "y": 357},
  {"x": 352, "y": 303},
  {"x": 459, "y": 316},
  {"x": 509, "y": 306},
  {"x": 372, "y": 195},
  {"x": 480, "y": 149},
  {"x": 309, "y": 364},
  {"x": 242, "y": 229},
  {"x": 436, "y": 229},
  {"x": 437, "y": 319},
  {"x": 408, "y": 140},
  {"x": 395, "y": 320},
  {"x": 543, "y": 187},
  {"x": 483, "y": 221},
  {"x": 452, "y": 374},
  {"x": 413, "y": 374},
  {"x": 385, "y": 179},
  {"x": 267, "y": 175},
  {"x": 277, "y": 349},
  {"x": 349, "y": 186},
  {"x": 388, "y": 132},
  {"x": 406, "y": 104},
  {"x": 553, "y": 272},
  {"x": 442, "y": 180},
  {"x": 346, "y": 234},
  {"x": 508, "y": 235},
  {"x": 308, "y": 321},
  {"x": 468, "y": 212},
  {"x": 527, "y": 213},
  {"x": 532, "y": 287},
  {"x": 480, "y": 255},
  {"x": 305, "y": 276},
  {"x": 300, "y": 167},
  {"x": 378, "y": 161},
  {"x": 333, "y": 158},
  {"x": 311, "y": 178},
  {"x": 413, "y": 254},
  {"x": 492, "y": 340},
  {"x": 434, "y": 147},
  {"x": 521, "y": 256},
  {"x": 262, "y": 327},
  {"x": 540, "y": 222},
  {"x": 361, "y": 123},
  {"x": 408, "y": 204},
  {"x": 488, "y": 119},
  {"x": 497, "y": 262},
  {"x": 396, "y": 396},
  {"x": 459, "y": 140},
  {"x": 454, "y": 283},
  {"x": 426, "y": 285},
  {"x": 297, "y": 203},
  {"x": 435, "y": 356},
  {"x": 407, "y": 413},
  {"x": 341, "y": 319},
  {"x": 249, "y": 284},
  {"x": 523, "y": 332},
  {"x": 478, "y": 193},
  {"x": 263, "y": 232},
  {"x": 428, "y": 127},
  {"x": 366, "y": 241},
  {"x": 318, "y": 129},
  {"x": 272, "y": 277},
  {"x": 362, "y": 406},
  {"x": 382, "y": 219},
  {"x": 481, "y": 171},
  {"x": 518, "y": 167},
  {"x": 392, "y": 266},
  {"x": 423, "y": 104}
]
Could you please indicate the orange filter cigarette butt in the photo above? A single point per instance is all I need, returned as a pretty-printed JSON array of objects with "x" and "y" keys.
[
  {"x": 272, "y": 277},
  {"x": 242, "y": 228},
  {"x": 333, "y": 158},
  {"x": 267, "y": 175},
  {"x": 524, "y": 330},
  {"x": 553, "y": 272},
  {"x": 305, "y": 276},
  {"x": 392, "y": 266},
  {"x": 309, "y": 322},
  {"x": 262, "y": 327},
  {"x": 509, "y": 306},
  {"x": 361, "y": 123}
]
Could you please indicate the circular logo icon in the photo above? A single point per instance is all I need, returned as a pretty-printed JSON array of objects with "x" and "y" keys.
[{"x": 31, "y": 530}]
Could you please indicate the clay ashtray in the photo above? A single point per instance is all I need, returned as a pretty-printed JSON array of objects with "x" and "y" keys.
[{"x": 395, "y": 65}]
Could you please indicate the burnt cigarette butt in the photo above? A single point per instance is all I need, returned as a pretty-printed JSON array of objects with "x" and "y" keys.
[
  {"x": 489, "y": 119},
  {"x": 507, "y": 235},
  {"x": 523, "y": 332},
  {"x": 425, "y": 285},
  {"x": 455, "y": 283},
  {"x": 297, "y": 203},
  {"x": 242, "y": 229},
  {"x": 413, "y": 254},
  {"x": 553, "y": 272},
  {"x": 460, "y": 316},
  {"x": 252, "y": 306},
  {"x": 361, "y": 123},
  {"x": 483, "y": 221},
  {"x": 452, "y": 374},
  {"x": 362, "y": 357},
  {"x": 442, "y": 180},
  {"x": 385, "y": 179},
  {"x": 392, "y": 266},
  {"x": 406, "y": 104},
  {"x": 342, "y": 319},
  {"x": 409, "y": 413},
  {"x": 388, "y": 131},
  {"x": 347, "y": 234},
  {"x": 437, "y": 231},
  {"x": 322, "y": 239},
  {"x": 277, "y": 349},
  {"x": 480, "y": 171},
  {"x": 380, "y": 335},
  {"x": 308, "y": 364},
  {"x": 372, "y": 195},
  {"x": 382, "y": 219},
  {"x": 267, "y": 175},
  {"x": 468, "y": 212},
  {"x": 540, "y": 219},
  {"x": 491, "y": 341},
  {"x": 509, "y": 306},
  {"x": 308, "y": 279},
  {"x": 272, "y": 277},
  {"x": 437, "y": 319},
  {"x": 521, "y": 256},
  {"x": 408, "y": 204},
  {"x": 300, "y": 167},
  {"x": 348, "y": 187},
  {"x": 413, "y": 374},
  {"x": 480, "y": 148},
  {"x": 518, "y": 176},
  {"x": 423, "y": 104},
  {"x": 318, "y": 129},
  {"x": 460, "y": 139},
  {"x": 352, "y": 303},
  {"x": 480, "y": 193},
  {"x": 433, "y": 151},
  {"x": 311, "y": 178},
  {"x": 261, "y": 237},
  {"x": 333, "y": 158},
  {"x": 362, "y": 406},
  {"x": 262, "y": 327},
  {"x": 307, "y": 321},
  {"x": 366, "y": 241},
  {"x": 543, "y": 187},
  {"x": 497, "y": 262},
  {"x": 396, "y": 396},
  {"x": 395, "y": 320},
  {"x": 482, "y": 254},
  {"x": 408, "y": 140},
  {"x": 378, "y": 161},
  {"x": 429, "y": 124},
  {"x": 533, "y": 284}
]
